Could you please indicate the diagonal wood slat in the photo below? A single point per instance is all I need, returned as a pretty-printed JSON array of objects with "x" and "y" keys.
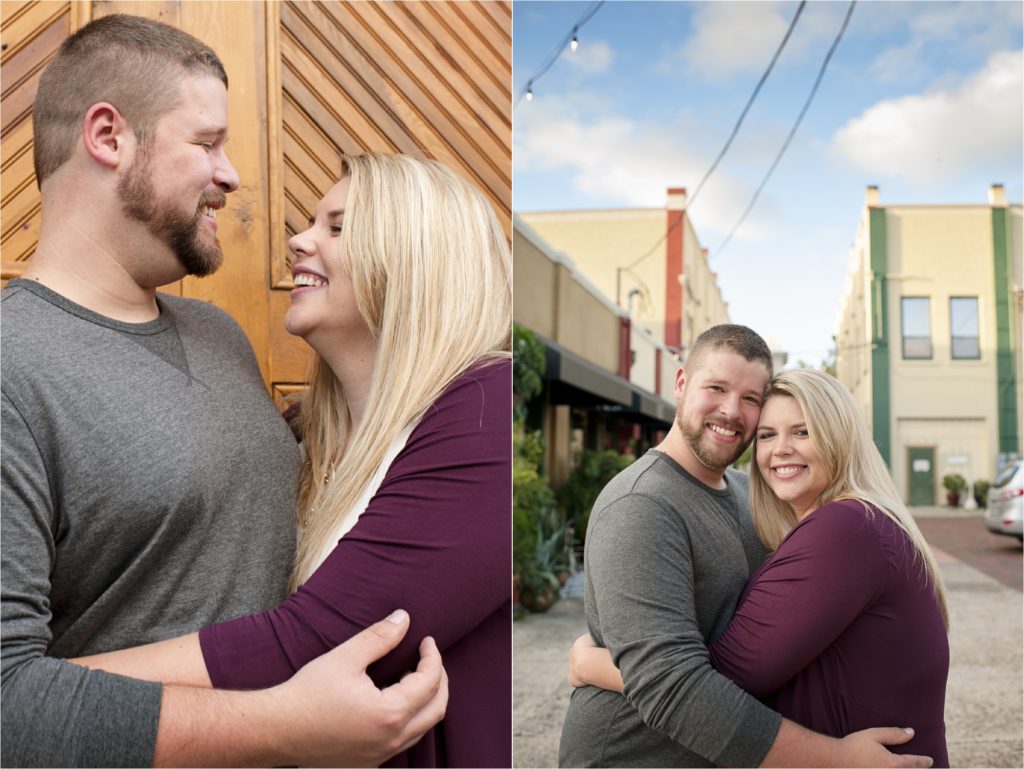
[{"x": 432, "y": 79}]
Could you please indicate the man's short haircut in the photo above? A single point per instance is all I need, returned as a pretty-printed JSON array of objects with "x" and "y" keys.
[
  {"x": 135, "y": 64},
  {"x": 738, "y": 339}
]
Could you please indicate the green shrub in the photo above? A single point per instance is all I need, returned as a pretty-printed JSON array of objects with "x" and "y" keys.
[
  {"x": 591, "y": 474},
  {"x": 981, "y": 493},
  {"x": 528, "y": 365},
  {"x": 954, "y": 482}
]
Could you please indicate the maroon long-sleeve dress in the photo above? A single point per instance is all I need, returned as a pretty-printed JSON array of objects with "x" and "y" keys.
[
  {"x": 839, "y": 630},
  {"x": 435, "y": 541}
]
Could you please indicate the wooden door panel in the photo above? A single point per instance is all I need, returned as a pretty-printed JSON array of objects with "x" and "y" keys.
[
  {"x": 308, "y": 82},
  {"x": 29, "y": 59},
  {"x": 30, "y": 34},
  {"x": 480, "y": 69},
  {"x": 335, "y": 83},
  {"x": 291, "y": 357}
]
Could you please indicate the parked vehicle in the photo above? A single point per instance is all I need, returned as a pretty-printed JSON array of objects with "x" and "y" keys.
[{"x": 1005, "y": 513}]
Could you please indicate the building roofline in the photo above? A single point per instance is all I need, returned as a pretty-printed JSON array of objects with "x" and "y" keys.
[
  {"x": 593, "y": 211},
  {"x": 560, "y": 257}
]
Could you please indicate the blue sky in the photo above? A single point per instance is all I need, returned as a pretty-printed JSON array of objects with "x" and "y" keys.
[{"x": 923, "y": 99}]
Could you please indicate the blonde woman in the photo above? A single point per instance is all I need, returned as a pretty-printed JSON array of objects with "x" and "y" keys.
[
  {"x": 402, "y": 287},
  {"x": 844, "y": 627}
]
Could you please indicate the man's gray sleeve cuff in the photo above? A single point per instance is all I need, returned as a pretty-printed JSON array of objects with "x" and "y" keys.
[
  {"x": 58, "y": 714},
  {"x": 754, "y": 736},
  {"x": 121, "y": 723}
]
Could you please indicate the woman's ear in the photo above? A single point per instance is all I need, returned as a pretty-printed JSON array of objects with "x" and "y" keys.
[{"x": 105, "y": 134}]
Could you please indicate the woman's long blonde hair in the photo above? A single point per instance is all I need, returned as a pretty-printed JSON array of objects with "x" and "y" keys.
[
  {"x": 431, "y": 273},
  {"x": 840, "y": 436}
]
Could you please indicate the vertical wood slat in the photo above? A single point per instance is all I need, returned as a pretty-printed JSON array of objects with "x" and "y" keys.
[
  {"x": 167, "y": 11},
  {"x": 240, "y": 285},
  {"x": 279, "y": 275}
]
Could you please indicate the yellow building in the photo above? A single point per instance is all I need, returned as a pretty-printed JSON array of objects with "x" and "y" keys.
[
  {"x": 608, "y": 383},
  {"x": 929, "y": 338},
  {"x": 648, "y": 261}
]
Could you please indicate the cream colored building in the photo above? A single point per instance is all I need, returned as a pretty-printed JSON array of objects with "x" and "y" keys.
[
  {"x": 648, "y": 261},
  {"x": 608, "y": 383},
  {"x": 929, "y": 338}
]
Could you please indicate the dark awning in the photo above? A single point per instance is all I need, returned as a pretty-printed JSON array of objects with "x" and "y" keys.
[{"x": 575, "y": 381}]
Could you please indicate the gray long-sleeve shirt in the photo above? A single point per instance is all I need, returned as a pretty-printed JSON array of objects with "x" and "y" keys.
[
  {"x": 666, "y": 561},
  {"x": 148, "y": 488}
]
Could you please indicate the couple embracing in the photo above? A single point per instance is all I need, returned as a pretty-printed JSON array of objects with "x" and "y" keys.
[
  {"x": 703, "y": 648},
  {"x": 177, "y": 571}
]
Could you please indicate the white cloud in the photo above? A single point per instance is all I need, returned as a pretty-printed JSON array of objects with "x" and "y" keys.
[
  {"x": 940, "y": 134},
  {"x": 734, "y": 38},
  {"x": 610, "y": 157},
  {"x": 945, "y": 30},
  {"x": 591, "y": 57}
]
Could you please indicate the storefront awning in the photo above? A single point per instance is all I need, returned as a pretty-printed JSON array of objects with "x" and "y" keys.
[{"x": 575, "y": 381}]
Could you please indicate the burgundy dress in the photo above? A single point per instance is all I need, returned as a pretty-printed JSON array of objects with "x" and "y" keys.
[
  {"x": 839, "y": 631},
  {"x": 434, "y": 540}
]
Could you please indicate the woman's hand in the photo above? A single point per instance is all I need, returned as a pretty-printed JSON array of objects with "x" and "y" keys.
[{"x": 591, "y": 665}]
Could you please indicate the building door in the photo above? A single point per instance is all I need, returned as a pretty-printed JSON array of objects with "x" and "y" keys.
[{"x": 921, "y": 462}]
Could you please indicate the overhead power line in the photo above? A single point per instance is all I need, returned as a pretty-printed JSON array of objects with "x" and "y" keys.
[
  {"x": 732, "y": 135},
  {"x": 792, "y": 133},
  {"x": 570, "y": 40}
]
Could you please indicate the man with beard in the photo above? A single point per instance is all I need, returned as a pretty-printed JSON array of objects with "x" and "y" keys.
[
  {"x": 670, "y": 546},
  {"x": 148, "y": 483}
]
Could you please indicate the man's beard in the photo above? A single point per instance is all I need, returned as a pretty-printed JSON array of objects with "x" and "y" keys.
[
  {"x": 177, "y": 229},
  {"x": 713, "y": 457}
]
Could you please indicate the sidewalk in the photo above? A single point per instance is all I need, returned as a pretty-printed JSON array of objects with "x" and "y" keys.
[{"x": 984, "y": 712}]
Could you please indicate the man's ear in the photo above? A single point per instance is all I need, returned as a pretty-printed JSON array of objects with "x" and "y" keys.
[
  {"x": 106, "y": 135},
  {"x": 680, "y": 381}
]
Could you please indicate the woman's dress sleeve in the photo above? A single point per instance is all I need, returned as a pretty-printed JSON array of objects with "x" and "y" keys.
[{"x": 434, "y": 540}]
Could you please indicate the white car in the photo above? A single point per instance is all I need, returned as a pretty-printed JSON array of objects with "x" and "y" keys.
[{"x": 1005, "y": 513}]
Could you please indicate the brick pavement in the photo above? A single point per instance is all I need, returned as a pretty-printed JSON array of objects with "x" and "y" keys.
[{"x": 967, "y": 539}]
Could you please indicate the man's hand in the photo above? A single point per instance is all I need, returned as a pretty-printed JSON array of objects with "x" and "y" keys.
[
  {"x": 338, "y": 716},
  {"x": 330, "y": 713},
  {"x": 796, "y": 746},
  {"x": 591, "y": 665},
  {"x": 867, "y": 748},
  {"x": 584, "y": 642}
]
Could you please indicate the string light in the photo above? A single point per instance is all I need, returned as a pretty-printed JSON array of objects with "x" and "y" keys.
[{"x": 571, "y": 40}]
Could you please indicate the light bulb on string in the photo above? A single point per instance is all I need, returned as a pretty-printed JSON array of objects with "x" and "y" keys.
[
  {"x": 574, "y": 44},
  {"x": 529, "y": 91}
]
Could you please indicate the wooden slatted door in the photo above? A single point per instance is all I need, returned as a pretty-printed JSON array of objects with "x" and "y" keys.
[{"x": 309, "y": 81}]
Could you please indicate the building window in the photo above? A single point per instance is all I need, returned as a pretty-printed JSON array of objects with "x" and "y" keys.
[
  {"x": 963, "y": 327},
  {"x": 917, "y": 327}
]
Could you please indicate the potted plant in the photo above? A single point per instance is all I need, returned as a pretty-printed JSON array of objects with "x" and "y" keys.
[
  {"x": 541, "y": 575},
  {"x": 954, "y": 484},
  {"x": 981, "y": 493}
]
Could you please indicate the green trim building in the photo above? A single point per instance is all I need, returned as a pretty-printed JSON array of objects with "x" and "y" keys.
[{"x": 929, "y": 338}]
